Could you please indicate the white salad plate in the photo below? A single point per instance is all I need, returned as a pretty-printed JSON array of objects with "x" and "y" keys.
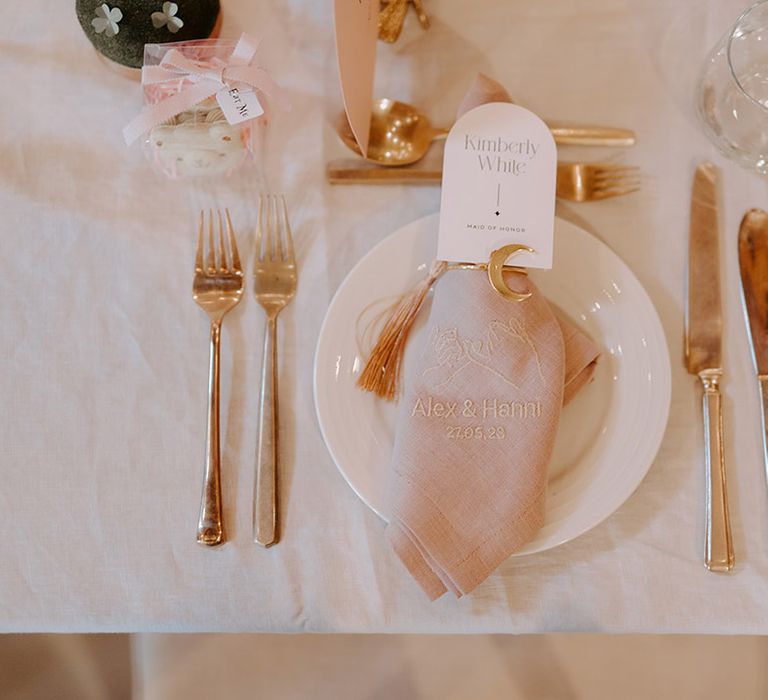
[{"x": 609, "y": 434}]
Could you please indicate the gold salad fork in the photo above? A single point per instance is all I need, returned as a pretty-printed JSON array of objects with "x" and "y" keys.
[
  {"x": 578, "y": 182},
  {"x": 582, "y": 182},
  {"x": 217, "y": 289},
  {"x": 274, "y": 286}
]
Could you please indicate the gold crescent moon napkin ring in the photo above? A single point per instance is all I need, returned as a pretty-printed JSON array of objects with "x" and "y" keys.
[{"x": 496, "y": 268}]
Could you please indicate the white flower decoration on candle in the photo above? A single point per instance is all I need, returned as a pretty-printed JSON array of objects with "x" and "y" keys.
[
  {"x": 168, "y": 18},
  {"x": 106, "y": 20}
]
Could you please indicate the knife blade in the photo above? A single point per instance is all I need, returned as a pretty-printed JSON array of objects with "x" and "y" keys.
[
  {"x": 704, "y": 320},
  {"x": 703, "y": 354},
  {"x": 753, "y": 264}
]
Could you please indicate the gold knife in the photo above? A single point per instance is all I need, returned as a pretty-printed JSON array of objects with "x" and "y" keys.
[
  {"x": 753, "y": 261},
  {"x": 703, "y": 331},
  {"x": 605, "y": 136},
  {"x": 359, "y": 172}
]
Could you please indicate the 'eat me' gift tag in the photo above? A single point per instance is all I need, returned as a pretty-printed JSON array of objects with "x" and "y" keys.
[
  {"x": 239, "y": 106},
  {"x": 499, "y": 176}
]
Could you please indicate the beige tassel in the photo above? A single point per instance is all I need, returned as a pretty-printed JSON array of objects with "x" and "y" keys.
[{"x": 381, "y": 374}]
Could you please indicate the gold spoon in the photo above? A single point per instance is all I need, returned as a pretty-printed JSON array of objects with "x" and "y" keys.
[{"x": 401, "y": 135}]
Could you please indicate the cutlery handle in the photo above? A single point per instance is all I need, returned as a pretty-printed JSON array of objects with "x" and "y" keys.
[
  {"x": 592, "y": 136},
  {"x": 763, "y": 381},
  {"x": 719, "y": 546},
  {"x": 343, "y": 174},
  {"x": 210, "y": 528},
  {"x": 265, "y": 531}
]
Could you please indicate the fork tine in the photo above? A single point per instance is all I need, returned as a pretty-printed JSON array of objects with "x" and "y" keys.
[
  {"x": 233, "y": 244},
  {"x": 603, "y": 171},
  {"x": 260, "y": 230},
  {"x": 279, "y": 226},
  {"x": 264, "y": 223},
  {"x": 614, "y": 167},
  {"x": 211, "y": 253},
  {"x": 274, "y": 229},
  {"x": 222, "y": 249},
  {"x": 199, "y": 251},
  {"x": 288, "y": 252},
  {"x": 268, "y": 245},
  {"x": 613, "y": 177},
  {"x": 617, "y": 182},
  {"x": 607, "y": 194}
]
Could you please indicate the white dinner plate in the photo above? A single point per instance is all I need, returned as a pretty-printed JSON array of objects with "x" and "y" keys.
[{"x": 609, "y": 434}]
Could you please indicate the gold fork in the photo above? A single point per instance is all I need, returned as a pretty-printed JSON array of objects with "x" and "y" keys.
[
  {"x": 582, "y": 182},
  {"x": 274, "y": 285},
  {"x": 578, "y": 182},
  {"x": 217, "y": 289}
]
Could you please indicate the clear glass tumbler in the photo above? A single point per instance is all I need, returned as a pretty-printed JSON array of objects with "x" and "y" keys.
[{"x": 732, "y": 94}]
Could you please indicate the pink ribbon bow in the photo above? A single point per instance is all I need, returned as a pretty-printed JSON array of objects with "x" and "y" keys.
[{"x": 204, "y": 79}]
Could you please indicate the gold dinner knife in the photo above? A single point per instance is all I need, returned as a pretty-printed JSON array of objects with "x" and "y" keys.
[
  {"x": 753, "y": 261},
  {"x": 703, "y": 330}
]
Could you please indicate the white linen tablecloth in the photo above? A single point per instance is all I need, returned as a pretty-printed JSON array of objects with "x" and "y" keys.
[{"x": 105, "y": 354}]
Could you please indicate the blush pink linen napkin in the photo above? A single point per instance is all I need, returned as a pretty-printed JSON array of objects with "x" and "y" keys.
[{"x": 477, "y": 423}]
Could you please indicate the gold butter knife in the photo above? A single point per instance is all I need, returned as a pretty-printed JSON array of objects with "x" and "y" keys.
[
  {"x": 753, "y": 262},
  {"x": 605, "y": 136},
  {"x": 703, "y": 331},
  {"x": 359, "y": 172}
]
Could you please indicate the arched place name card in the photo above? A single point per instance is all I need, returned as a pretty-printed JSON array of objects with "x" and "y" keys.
[{"x": 499, "y": 176}]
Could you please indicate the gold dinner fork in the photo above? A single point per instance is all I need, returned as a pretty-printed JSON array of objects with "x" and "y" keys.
[
  {"x": 583, "y": 182},
  {"x": 217, "y": 289},
  {"x": 274, "y": 286}
]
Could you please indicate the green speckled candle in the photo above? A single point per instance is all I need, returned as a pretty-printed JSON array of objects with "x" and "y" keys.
[{"x": 136, "y": 26}]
